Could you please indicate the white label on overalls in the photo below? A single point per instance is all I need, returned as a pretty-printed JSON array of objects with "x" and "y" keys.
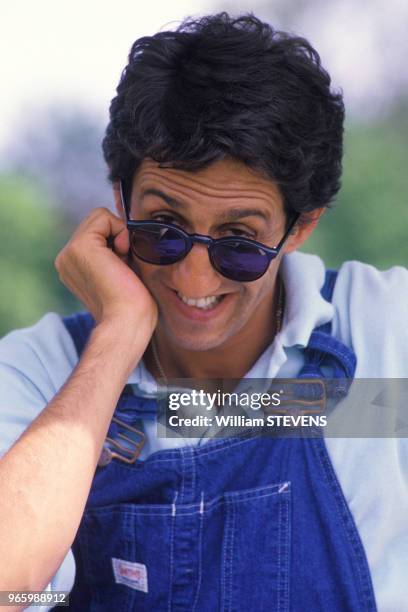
[{"x": 134, "y": 575}]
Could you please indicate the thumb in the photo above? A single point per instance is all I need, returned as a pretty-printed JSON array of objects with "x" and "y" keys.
[{"x": 121, "y": 242}]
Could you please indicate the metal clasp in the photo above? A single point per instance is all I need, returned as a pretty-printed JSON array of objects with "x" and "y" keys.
[
  {"x": 298, "y": 405},
  {"x": 113, "y": 449}
]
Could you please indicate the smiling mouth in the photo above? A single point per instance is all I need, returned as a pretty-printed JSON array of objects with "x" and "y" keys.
[{"x": 203, "y": 303}]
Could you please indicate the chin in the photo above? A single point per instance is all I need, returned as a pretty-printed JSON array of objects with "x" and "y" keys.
[{"x": 195, "y": 341}]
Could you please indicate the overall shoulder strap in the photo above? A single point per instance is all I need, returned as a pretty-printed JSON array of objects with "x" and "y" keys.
[
  {"x": 325, "y": 350},
  {"x": 327, "y": 293},
  {"x": 328, "y": 285},
  {"x": 79, "y": 326}
]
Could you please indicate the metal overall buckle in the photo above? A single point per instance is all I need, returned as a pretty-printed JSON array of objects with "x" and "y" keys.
[
  {"x": 295, "y": 404},
  {"x": 113, "y": 449}
]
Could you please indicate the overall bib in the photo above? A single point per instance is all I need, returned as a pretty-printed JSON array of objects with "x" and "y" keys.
[{"x": 246, "y": 523}]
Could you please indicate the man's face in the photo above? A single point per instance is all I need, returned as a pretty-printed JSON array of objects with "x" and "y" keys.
[{"x": 225, "y": 199}]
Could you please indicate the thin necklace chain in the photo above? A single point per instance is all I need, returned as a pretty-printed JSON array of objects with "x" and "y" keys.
[
  {"x": 157, "y": 361},
  {"x": 280, "y": 306},
  {"x": 279, "y": 317}
]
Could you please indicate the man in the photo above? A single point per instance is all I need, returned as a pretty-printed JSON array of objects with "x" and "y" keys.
[{"x": 224, "y": 148}]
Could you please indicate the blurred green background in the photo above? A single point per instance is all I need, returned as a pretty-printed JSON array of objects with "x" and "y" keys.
[
  {"x": 31, "y": 233},
  {"x": 369, "y": 220}
]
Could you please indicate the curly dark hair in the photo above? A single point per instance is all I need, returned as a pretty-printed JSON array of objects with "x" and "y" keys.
[{"x": 222, "y": 86}]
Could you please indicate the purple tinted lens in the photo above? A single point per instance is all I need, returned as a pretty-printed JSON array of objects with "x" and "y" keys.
[
  {"x": 240, "y": 261},
  {"x": 157, "y": 244}
]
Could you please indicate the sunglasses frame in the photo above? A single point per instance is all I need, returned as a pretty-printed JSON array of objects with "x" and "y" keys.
[{"x": 191, "y": 239}]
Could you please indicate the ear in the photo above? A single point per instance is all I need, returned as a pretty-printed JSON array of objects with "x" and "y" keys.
[
  {"x": 303, "y": 229},
  {"x": 118, "y": 202}
]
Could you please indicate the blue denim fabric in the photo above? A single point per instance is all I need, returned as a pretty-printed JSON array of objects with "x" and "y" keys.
[{"x": 248, "y": 523}]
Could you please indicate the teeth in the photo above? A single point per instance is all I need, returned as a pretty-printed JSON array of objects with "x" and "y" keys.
[{"x": 205, "y": 303}]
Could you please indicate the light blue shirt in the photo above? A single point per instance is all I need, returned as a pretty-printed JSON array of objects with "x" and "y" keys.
[{"x": 369, "y": 313}]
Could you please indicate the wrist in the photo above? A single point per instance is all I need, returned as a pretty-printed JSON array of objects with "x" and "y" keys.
[{"x": 121, "y": 342}]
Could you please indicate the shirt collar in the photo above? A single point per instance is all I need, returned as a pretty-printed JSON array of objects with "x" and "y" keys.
[{"x": 303, "y": 277}]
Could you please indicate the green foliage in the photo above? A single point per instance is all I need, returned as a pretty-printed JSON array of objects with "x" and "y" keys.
[
  {"x": 32, "y": 231},
  {"x": 369, "y": 222}
]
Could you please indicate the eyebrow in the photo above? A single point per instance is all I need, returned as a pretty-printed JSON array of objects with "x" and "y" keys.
[
  {"x": 168, "y": 199},
  {"x": 232, "y": 214}
]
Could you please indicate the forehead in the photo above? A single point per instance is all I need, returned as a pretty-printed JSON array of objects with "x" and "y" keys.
[{"x": 224, "y": 182}]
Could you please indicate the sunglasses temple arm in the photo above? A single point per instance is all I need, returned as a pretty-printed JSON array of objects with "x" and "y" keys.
[
  {"x": 288, "y": 231},
  {"x": 122, "y": 190}
]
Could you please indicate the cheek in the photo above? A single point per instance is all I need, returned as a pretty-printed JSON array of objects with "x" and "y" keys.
[
  {"x": 259, "y": 294},
  {"x": 153, "y": 277},
  {"x": 263, "y": 286},
  {"x": 142, "y": 269}
]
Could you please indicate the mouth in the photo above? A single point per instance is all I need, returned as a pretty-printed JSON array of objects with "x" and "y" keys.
[
  {"x": 199, "y": 309},
  {"x": 204, "y": 303}
]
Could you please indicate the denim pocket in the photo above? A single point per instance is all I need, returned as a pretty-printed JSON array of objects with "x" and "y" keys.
[
  {"x": 126, "y": 556},
  {"x": 229, "y": 554},
  {"x": 256, "y": 550}
]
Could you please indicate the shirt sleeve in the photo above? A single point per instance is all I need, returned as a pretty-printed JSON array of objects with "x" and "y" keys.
[
  {"x": 34, "y": 364},
  {"x": 371, "y": 317}
]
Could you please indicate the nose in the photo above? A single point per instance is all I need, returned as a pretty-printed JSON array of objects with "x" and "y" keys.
[{"x": 194, "y": 275}]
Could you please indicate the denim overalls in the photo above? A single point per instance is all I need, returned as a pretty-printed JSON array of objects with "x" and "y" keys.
[{"x": 246, "y": 523}]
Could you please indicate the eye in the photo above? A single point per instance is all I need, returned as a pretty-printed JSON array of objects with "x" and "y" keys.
[
  {"x": 239, "y": 232},
  {"x": 164, "y": 218}
]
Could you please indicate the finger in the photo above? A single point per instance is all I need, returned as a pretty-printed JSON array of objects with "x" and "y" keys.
[
  {"x": 100, "y": 228},
  {"x": 121, "y": 242},
  {"x": 108, "y": 224}
]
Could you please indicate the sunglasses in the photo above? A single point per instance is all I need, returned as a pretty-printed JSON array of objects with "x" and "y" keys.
[{"x": 162, "y": 244}]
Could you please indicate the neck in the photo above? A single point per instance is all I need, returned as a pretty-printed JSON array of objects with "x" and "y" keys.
[{"x": 226, "y": 361}]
